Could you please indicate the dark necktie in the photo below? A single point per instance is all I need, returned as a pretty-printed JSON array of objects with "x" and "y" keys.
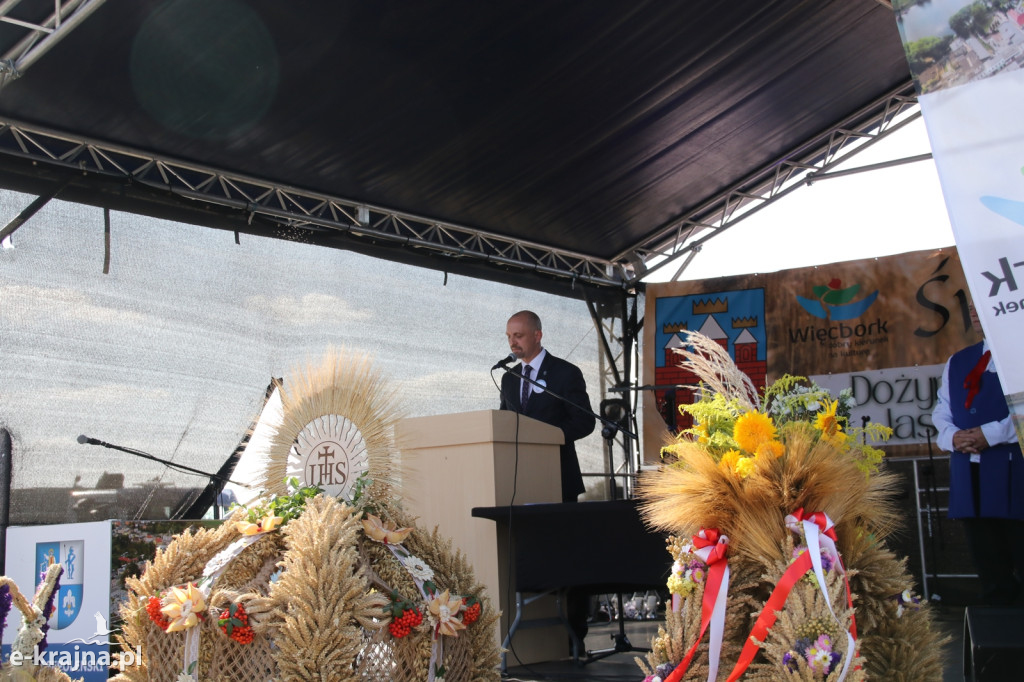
[{"x": 525, "y": 395}]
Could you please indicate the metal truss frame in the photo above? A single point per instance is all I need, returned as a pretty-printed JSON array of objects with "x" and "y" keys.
[
  {"x": 298, "y": 209},
  {"x": 617, "y": 328},
  {"x": 40, "y": 37},
  {"x": 684, "y": 236}
]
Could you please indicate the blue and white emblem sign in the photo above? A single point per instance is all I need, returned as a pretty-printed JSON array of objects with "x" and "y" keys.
[{"x": 71, "y": 555}]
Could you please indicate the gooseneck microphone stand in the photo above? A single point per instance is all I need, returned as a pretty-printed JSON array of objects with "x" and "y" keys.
[{"x": 85, "y": 440}]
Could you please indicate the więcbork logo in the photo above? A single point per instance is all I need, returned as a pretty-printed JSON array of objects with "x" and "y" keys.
[
  {"x": 68, "y": 602},
  {"x": 833, "y": 301},
  {"x": 836, "y": 304}
]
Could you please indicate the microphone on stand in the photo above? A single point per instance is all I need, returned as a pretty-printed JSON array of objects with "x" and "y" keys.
[
  {"x": 504, "y": 362},
  {"x": 83, "y": 439}
]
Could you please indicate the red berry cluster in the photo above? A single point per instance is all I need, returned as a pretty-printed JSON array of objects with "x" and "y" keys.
[
  {"x": 402, "y": 625},
  {"x": 234, "y": 622},
  {"x": 471, "y": 614},
  {"x": 153, "y": 607}
]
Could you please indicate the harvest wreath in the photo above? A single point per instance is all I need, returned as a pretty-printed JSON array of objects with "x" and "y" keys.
[
  {"x": 308, "y": 585},
  {"x": 778, "y": 511}
]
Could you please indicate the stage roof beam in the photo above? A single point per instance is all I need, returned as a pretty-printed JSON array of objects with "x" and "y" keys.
[
  {"x": 303, "y": 211},
  {"x": 40, "y": 37},
  {"x": 298, "y": 209},
  {"x": 685, "y": 235}
]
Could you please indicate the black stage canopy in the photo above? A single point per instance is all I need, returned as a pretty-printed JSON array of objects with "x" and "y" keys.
[{"x": 541, "y": 142}]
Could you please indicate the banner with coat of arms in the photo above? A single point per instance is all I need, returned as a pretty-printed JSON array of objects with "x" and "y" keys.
[{"x": 881, "y": 328}]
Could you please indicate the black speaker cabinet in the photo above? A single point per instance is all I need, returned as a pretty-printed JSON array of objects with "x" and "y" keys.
[{"x": 993, "y": 643}]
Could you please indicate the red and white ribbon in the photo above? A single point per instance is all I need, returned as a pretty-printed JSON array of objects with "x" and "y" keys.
[
  {"x": 711, "y": 547},
  {"x": 818, "y": 531}
]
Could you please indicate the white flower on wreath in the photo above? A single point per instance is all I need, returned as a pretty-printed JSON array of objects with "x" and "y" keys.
[
  {"x": 417, "y": 568},
  {"x": 185, "y": 677},
  {"x": 30, "y": 634}
]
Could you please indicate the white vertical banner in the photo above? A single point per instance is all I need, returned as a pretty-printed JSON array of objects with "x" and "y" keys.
[
  {"x": 977, "y": 138},
  {"x": 967, "y": 59}
]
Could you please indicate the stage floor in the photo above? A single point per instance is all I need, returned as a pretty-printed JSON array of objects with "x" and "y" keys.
[{"x": 620, "y": 667}]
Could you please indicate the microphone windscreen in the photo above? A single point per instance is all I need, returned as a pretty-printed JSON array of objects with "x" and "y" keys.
[{"x": 83, "y": 439}]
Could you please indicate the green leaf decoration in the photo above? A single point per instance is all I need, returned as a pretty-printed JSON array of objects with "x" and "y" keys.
[
  {"x": 840, "y": 296},
  {"x": 288, "y": 507},
  {"x": 835, "y": 296}
]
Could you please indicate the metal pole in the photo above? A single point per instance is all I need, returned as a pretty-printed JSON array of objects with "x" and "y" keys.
[
  {"x": 5, "y": 493},
  {"x": 920, "y": 533},
  {"x": 629, "y": 445}
]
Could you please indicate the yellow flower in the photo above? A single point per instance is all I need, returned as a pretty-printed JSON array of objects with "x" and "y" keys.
[
  {"x": 270, "y": 523},
  {"x": 729, "y": 460},
  {"x": 182, "y": 607},
  {"x": 266, "y": 524},
  {"x": 752, "y": 429},
  {"x": 384, "y": 532},
  {"x": 444, "y": 610},
  {"x": 745, "y": 466},
  {"x": 246, "y": 528},
  {"x": 675, "y": 584},
  {"x": 702, "y": 433},
  {"x": 827, "y": 422},
  {"x": 772, "y": 449}
]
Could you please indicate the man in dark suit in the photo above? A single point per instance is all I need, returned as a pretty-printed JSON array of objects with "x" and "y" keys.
[
  {"x": 562, "y": 378},
  {"x": 576, "y": 421}
]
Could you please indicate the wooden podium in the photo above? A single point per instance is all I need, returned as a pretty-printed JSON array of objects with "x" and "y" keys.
[{"x": 453, "y": 462}]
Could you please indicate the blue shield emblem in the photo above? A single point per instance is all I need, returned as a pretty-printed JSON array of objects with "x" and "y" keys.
[{"x": 68, "y": 601}]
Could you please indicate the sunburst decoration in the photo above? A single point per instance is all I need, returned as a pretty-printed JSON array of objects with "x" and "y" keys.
[{"x": 337, "y": 422}]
